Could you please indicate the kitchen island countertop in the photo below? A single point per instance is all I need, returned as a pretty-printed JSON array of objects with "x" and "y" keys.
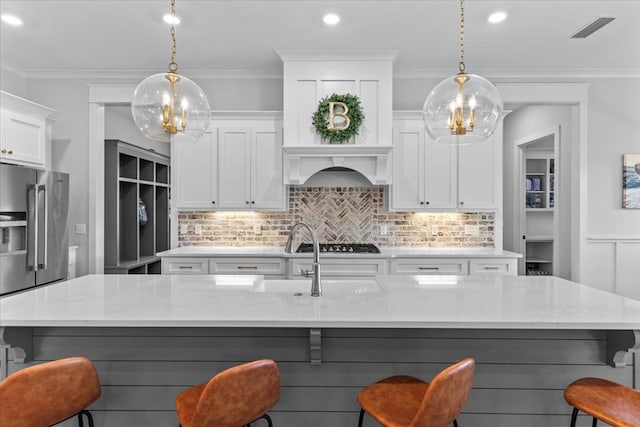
[{"x": 388, "y": 301}]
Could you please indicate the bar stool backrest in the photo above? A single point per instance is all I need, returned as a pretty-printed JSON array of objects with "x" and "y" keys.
[
  {"x": 238, "y": 395},
  {"x": 48, "y": 393},
  {"x": 446, "y": 396}
]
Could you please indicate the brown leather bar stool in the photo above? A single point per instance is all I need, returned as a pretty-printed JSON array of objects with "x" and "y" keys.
[
  {"x": 607, "y": 401},
  {"x": 405, "y": 401},
  {"x": 235, "y": 397},
  {"x": 48, "y": 393}
]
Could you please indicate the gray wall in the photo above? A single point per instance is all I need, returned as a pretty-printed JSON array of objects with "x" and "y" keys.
[{"x": 613, "y": 130}]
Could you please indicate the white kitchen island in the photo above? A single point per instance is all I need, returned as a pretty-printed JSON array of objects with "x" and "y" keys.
[{"x": 152, "y": 336}]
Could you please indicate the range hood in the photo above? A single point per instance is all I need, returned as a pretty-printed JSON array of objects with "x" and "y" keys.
[
  {"x": 371, "y": 161},
  {"x": 311, "y": 76}
]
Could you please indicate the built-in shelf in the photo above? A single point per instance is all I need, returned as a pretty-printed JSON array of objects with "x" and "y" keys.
[
  {"x": 539, "y": 198},
  {"x": 136, "y": 181}
]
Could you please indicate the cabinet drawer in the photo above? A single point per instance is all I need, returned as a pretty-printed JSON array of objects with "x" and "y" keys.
[
  {"x": 430, "y": 266},
  {"x": 262, "y": 266},
  {"x": 340, "y": 267},
  {"x": 497, "y": 266},
  {"x": 185, "y": 266}
]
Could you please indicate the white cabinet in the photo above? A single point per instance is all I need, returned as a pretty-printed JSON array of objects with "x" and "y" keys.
[
  {"x": 433, "y": 176},
  {"x": 337, "y": 268},
  {"x": 423, "y": 173},
  {"x": 429, "y": 266},
  {"x": 250, "y": 169},
  {"x": 236, "y": 165},
  {"x": 25, "y": 132},
  {"x": 195, "y": 178},
  {"x": 458, "y": 266},
  {"x": 185, "y": 266},
  {"x": 493, "y": 266},
  {"x": 270, "y": 267},
  {"x": 479, "y": 171}
]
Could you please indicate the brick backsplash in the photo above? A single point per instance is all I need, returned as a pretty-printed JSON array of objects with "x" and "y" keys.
[{"x": 341, "y": 214}]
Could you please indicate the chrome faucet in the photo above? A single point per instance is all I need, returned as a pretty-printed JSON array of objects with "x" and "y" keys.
[{"x": 316, "y": 285}]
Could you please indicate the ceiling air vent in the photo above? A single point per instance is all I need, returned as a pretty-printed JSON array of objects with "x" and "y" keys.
[{"x": 592, "y": 28}]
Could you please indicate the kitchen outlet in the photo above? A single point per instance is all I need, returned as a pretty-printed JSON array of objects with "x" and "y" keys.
[
  {"x": 383, "y": 230},
  {"x": 434, "y": 230},
  {"x": 257, "y": 229},
  {"x": 198, "y": 229},
  {"x": 81, "y": 228},
  {"x": 183, "y": 228},
  {"x": 472, "y": 230}
]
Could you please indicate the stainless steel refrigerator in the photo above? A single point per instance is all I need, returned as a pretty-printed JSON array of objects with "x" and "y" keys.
[{"x": 34, "y": 239}]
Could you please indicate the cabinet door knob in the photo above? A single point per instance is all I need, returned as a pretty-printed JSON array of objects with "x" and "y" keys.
[
  {"x": 246, "y": 202},
  {"x": 422, "y": 203},
  {"x": 3, "y": 151},
  {"x": 213, "y": 202},
  {"x": 461, "y": 203},
  {"x": 253, "y": 202},
  {"x": 427, "y": 203},
  {"x": 10, "y": 151}
]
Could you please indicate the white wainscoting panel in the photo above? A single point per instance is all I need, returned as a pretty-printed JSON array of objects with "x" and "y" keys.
[{"x": 614, "y": 264}]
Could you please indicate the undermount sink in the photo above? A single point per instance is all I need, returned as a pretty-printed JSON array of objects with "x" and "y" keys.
[{"x": 329, "y": 286}]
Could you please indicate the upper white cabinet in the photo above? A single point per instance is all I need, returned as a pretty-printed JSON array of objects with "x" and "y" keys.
[
  {"x": 236, "y": 165},
  {"x": 25, "y": 132},
  {"x": 479, "y": 173},
  {"x": 430, "y": 176},
  {"x": 195, "y": 172},
  {"x": 250, "y": 169},
  {"x": 422, "y": 172}
]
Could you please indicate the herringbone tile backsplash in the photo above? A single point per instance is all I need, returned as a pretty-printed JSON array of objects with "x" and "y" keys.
[{"x": 342, "y": 215}]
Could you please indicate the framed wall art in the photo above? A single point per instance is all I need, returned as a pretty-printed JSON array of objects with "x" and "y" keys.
[{"x": 631, "y": 181}]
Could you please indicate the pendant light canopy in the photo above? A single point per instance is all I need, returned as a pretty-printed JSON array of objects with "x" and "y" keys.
[
  {"x": 464, "y": 108},
  {"x": 167, "y": 103}
]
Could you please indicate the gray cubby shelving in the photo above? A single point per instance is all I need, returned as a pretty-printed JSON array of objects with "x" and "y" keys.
[{"x": 132, "y": 174}]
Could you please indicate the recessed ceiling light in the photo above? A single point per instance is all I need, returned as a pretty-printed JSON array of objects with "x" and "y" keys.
[
  {"x": 331, "y": 19},
  {"x": 11, "y": 20},
  {"x": 496, "y": 17},
  {"x": 170, "y": 19}
]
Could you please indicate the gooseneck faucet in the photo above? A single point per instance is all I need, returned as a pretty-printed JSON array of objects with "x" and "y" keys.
[{"x": 316, "y": 286}]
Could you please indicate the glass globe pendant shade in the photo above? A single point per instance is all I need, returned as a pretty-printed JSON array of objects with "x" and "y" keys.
[
  {"x": 464, "y": 109},
  {"x": 168, "y": 103}
]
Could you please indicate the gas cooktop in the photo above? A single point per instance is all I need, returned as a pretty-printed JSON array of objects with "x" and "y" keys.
[{"x": 345, "y": 248}]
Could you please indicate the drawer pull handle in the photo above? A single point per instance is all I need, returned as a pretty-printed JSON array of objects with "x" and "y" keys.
[
  {"x": 428, "y": 268},
  {"x": 186, "y": 267},
  {"x": 491, "y": 268},
  {"x": 247, "y": 267}
]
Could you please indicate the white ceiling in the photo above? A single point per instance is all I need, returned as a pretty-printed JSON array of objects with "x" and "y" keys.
[{"x": 218, "y": 37}]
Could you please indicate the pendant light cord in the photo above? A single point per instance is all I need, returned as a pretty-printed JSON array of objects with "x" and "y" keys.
[
  {"x": 461, "y": 65},
  {"x": 173, "y": 67}
]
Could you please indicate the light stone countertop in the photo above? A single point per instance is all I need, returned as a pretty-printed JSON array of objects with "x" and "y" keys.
[
  {"x": 389, "y": 301},
  {"x": 385, "y": 252}
]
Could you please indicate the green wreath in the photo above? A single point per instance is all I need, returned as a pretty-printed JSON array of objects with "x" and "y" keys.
[{"x": 320, "y": 119}]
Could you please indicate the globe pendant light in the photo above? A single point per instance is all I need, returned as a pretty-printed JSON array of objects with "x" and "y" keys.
[
  {"x": 167, "y": 103},
  {"x": 465, "y": 108}
]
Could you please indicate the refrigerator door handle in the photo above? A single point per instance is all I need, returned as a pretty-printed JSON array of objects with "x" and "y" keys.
[
  {"x": 32, "y": 227},
  {"x": 45, "y": 246}
]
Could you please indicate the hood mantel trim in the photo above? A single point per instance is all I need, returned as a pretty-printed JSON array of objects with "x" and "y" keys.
[{"x": 372, "y": 161}]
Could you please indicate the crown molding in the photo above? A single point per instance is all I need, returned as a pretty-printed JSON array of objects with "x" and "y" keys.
[
  {"x": 539, "y": 73},
  {"x": 398, "y": 73}
]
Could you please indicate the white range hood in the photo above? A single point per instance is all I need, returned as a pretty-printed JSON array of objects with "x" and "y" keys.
[
  {"x": 309, "y": 77},
  {"x": 371, "y": 161}
]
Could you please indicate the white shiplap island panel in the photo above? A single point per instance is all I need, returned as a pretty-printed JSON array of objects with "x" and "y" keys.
[{"x": 153, "y": 336}]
